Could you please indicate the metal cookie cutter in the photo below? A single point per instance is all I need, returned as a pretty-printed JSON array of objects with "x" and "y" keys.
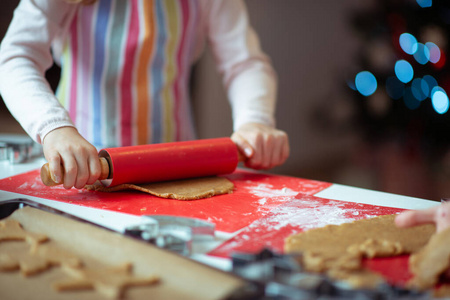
[
  {"x": 172, "y": 233},
  {"x": 18, "y": 148}
]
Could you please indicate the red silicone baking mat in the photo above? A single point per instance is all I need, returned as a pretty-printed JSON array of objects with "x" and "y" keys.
[
  {"x": 300, "y": 213},
  {"x": 304, "y": 212},
  {"x": 255, "y": 195}
]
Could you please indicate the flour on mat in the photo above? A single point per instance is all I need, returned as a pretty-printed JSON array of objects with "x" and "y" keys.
[
  {"x": 262, "y": 201},
  {"x": 309, "y": 213},
  {"x": 23, "y": 186},
  {"x": 214, "y": 219},
  {"x": 267, "y": 191},
  {"x": 270, "y": 197}
]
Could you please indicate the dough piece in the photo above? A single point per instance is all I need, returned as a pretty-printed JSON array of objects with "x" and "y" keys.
[
  {"x": 12, "y": 261},
  {"x": 358, "y": 278},
  {"x": 35, "y": 259},
  {"x": 187, "y": 189},
  {"x": 376, "y": 248},
  {"x": 11, "y": 230},
  {"x": 430, "y": 262},
  {"x": 110, "y": 282},
  {"x": 338, "y": 249},
  {"x": 34, "y": 253},
  {"x": 442, "y": 292}
]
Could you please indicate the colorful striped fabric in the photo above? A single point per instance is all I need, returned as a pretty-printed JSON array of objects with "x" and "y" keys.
[{"x": 125, "y": 71}]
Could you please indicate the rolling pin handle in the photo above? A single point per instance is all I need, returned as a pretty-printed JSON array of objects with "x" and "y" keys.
[
  {"x": 48, "y": 180},
  {"x": 106, "y": 171},
  {"x": 46, "y": 176}
]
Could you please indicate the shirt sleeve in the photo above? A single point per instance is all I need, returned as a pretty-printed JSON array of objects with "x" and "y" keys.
[
  {"x": 24, "y": 57},
  {"x": 248, "y": 75}
]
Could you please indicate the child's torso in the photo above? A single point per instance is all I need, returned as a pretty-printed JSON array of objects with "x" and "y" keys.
[{"x": 125, "y": 70}]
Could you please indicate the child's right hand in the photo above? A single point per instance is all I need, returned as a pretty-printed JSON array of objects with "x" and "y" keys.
[{"x": 71, "y": 156}]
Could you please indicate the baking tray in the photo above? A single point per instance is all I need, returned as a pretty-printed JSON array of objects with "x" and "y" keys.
[{"x": 181, "y": 278}]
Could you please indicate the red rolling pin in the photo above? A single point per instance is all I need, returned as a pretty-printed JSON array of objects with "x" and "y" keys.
[{"x": 163, "y": 162}]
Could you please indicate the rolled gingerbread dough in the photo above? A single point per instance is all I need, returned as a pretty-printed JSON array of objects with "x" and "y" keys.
[
  {"x": 187, "y": 189},
  {"x": 337, "y": 250}
]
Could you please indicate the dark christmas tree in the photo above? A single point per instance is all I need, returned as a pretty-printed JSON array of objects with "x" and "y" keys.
[{"x": 401, "y": 88}]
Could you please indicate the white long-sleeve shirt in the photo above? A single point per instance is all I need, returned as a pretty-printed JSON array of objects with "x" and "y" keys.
[{"x": 126, "y": 67}]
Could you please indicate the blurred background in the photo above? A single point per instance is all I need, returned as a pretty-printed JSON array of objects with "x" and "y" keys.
[{"x": 362, "y": 91}]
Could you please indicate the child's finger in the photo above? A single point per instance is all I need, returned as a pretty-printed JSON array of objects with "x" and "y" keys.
[
  {"x": 415, "y": 217},
  {"x": 255, "y": 161},
  {"x": 286, "y": 149},
  {"x": 70, "y": 171},
  {"x": 277, "y": 153},
  {"x": 267, "y": 148},
  {"x": 82, "y": 172},
  {"x": 94, "y": 169},
  {"x": 442, "y": 217},
  {"x": 244, "y": 147},
  {"x": 54, "y": 162}
]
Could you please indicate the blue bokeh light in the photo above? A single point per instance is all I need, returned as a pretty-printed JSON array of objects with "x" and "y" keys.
[
  {"x": 425, "y": 3},
  {"x": 394, "y": 87},
  {"x": 436, "y": 89},
  {"x": 435, "y": 52},
  {"x": 422, "y": 55},
  {"x": 425, "y": 87},
  {"x": 366, "y": 83},
  {"x": 411, "y": 102},
  {"x": 431, "y": 82},
  {"x": 404, "y": 71},
  {"x": 408, "y": 43},
  {"x": 440, "y": 101},
  {"x": 351, "y": 84},
  {"x": 420, "y": 91}
]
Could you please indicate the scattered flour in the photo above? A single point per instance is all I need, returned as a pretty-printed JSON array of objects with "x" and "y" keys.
[
  {"x": 262, "y": 201},
  {"x": 267, "y": 191},
  {"x": 23, "y": 186},
  {"x": 214, "y": 219},
  {"x": 270, "y": 197},
  {"x": 307, "y": 214}
]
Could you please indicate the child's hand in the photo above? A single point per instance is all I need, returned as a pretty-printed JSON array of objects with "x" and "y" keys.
[
  {"x": 263, "y": 146},
  {"x": 67, "y": 151},
  {"x": 440, "y": 215}
]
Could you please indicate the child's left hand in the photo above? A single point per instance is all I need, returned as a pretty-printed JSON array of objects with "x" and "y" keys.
[
  {"x": 263, "y": 146},
  {"x": 439, "y": 215}
]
